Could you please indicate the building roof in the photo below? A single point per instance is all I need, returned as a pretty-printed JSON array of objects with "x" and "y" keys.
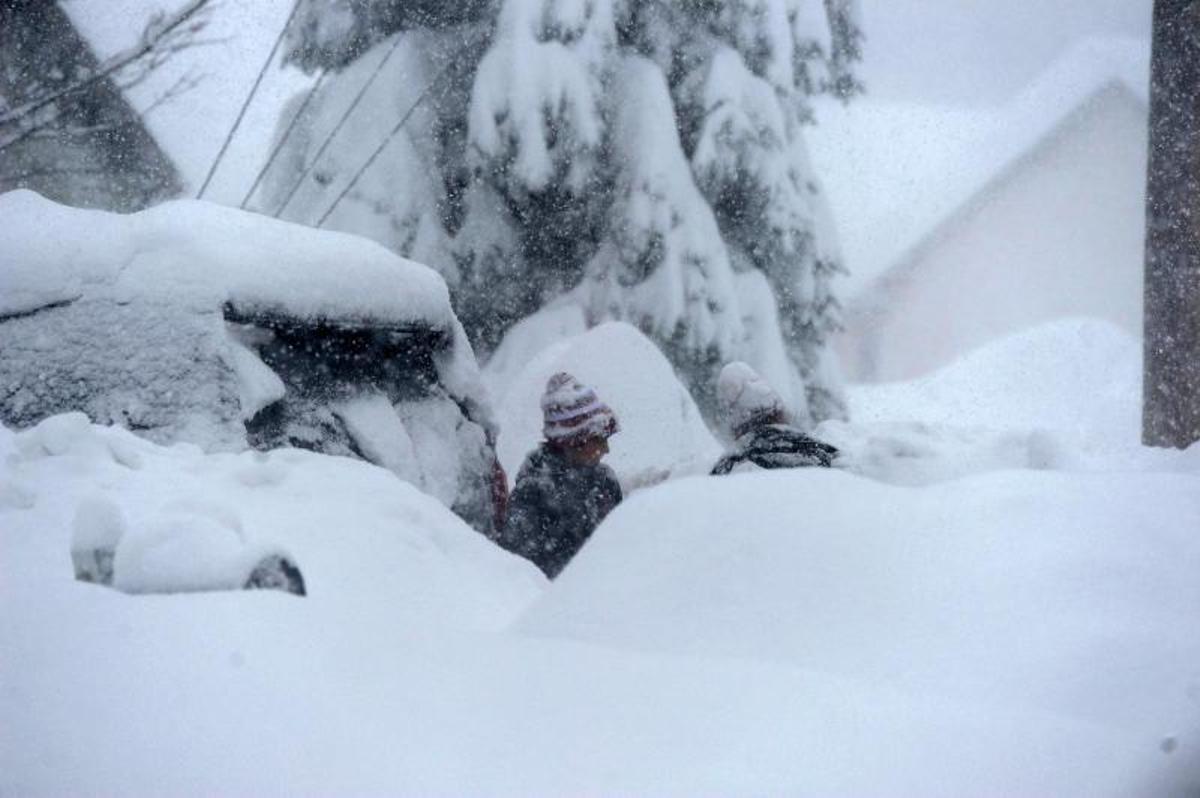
[{"x": 895, "y": 173}]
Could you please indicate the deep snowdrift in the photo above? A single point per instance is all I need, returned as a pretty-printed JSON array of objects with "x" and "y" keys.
[
  {"x": 1080, "y": 377},
  {"x": 1014, "y": 632},
  {"x": 1064, "y": 396},
  {"x": 373, "y": 549},
  {"x": 806, "y": 631},
  {"x": 1072, "y": 594}
]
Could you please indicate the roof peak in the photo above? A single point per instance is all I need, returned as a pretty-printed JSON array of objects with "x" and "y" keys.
[{"x": 930, "y": 159}]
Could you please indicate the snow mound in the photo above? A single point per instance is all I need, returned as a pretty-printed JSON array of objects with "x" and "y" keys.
[
  {"x": 371, "y": 546},
  {"x": 1060, "y": 396},
  {"x": 178, "y": 553},
  {"x": 1075, "y": 594},
  {"x": 662, "y": 432},
  {"x": 526, "y": 339},
  {"x": 203, "y": 255},
  {"x": 1077, "y": 376},
  {"x": 99, "y": 524},
  {"x": 400, "y": 667}
]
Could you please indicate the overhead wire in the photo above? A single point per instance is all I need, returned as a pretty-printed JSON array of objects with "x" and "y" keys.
[
  {"x": 383, "y": 145},
  {"x": 212, "y": 170},
  {"x": 282, "y": 140},
  {"x": 287, "y": 200}
]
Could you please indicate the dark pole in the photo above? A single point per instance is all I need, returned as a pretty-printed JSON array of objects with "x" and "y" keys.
[{"x": 1171, "y": 374}]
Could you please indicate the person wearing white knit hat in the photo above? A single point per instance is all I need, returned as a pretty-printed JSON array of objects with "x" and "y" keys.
[
  {"x": 758, "y": 421},
  {"x": 563, "y": 491},
  {"x": 745, "y": 399}
]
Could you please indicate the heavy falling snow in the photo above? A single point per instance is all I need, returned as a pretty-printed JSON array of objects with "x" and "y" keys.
[{"x": 290, "y": 291}]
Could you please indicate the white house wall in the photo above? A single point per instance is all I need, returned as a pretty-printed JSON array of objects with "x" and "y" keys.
[{"x": 1059, "y": 234}]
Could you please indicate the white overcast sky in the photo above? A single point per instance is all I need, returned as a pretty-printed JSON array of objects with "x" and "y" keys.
[{"x": 980, "y": 51}]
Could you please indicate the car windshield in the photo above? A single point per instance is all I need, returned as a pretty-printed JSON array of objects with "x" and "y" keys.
[{"x": 329, "y": 359}]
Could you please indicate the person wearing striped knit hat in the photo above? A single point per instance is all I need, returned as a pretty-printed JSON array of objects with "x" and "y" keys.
[{"x": 563, "y": 491}]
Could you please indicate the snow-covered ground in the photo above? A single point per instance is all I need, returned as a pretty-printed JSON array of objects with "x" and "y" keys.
[{"x": 1000, "y": 624}]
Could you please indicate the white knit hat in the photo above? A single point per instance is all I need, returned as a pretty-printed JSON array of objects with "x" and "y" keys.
[
  {"x": 745, "y": 398},
  {"x": 572, "y": 412}
]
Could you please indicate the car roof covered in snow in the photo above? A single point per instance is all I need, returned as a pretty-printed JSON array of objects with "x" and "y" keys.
[{"x": 207, "y": 256}]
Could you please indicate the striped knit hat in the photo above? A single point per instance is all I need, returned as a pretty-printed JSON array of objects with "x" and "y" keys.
[{"x": 572, "y": 413}]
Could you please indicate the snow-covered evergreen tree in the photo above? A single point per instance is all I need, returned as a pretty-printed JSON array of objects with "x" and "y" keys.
[{"x": 643, "y": 159}]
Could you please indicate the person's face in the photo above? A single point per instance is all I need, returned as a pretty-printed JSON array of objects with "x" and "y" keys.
[{"x": 589, "y": 452}]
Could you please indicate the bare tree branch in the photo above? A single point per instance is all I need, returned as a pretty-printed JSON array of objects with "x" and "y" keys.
[
  {"x": 180, "y": 87},
  {"x": 163, "y": 36},
  {"x": 53, "y": 171},
  {"x": 33, "y": 127}
]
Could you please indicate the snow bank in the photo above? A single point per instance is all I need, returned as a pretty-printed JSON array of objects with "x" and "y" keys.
[
  {"x": 1076, "y": 376},
  {"x": 777, "y": 633},
  {"x": 203, "y": 255},
  {"x": 370, "y": 546},
  {"x": 662, "y": 432},
  {"x": 1073, "y": 595},
  {"x": 1063, "y": 395}
]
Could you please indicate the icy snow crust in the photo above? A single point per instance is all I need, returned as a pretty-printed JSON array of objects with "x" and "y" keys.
[
  {"x": 1019, "y": 630},
  {"x": 202, "y": 255}
]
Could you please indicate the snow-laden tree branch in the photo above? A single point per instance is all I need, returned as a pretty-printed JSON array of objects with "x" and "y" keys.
[{"x": 642, "y": 160}]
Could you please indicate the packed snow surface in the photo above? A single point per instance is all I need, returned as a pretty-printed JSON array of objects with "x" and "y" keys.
[
  {"x": 1020, "y": 630},
  {"x": 202, "y": 255}
]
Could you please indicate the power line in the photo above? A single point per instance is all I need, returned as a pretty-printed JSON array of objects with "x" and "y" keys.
[
  {"x": 282, "y": 140},
  {"x": 212, "y": 170},
  {"x": 336, "y": 128},
  {"x": 378, "y": 150}
]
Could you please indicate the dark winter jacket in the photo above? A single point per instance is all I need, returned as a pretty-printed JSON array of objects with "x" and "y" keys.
[
  {"x": 555, "y": 506},
  {"x": 776, "y": 446}
]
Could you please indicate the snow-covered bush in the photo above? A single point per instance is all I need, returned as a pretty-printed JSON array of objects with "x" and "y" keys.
[
  {"x": 192, "y": 322},
  {"x": 637, "y": 154}
]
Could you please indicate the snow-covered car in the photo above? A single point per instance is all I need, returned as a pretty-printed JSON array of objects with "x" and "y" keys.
[
  {"x": 185, "y": 547},
  {"x": 192, "y": 322}
]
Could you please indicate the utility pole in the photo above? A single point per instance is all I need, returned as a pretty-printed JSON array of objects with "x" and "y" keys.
[{"x": 1171, "y": 373}]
